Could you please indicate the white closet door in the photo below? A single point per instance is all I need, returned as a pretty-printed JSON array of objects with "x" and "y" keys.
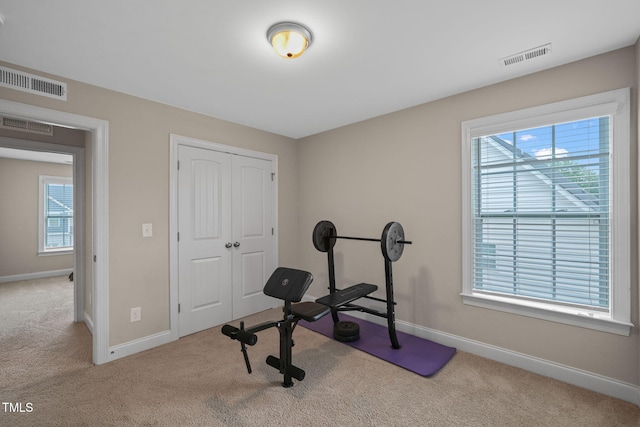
[
  {"x": 253, "y": 224},
  {"x": 204, "y": 217}
]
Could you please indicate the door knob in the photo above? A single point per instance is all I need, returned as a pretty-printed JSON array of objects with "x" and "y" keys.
[
  {"x": 228, "y": 245},
  {"x": 236, "y": 244}
]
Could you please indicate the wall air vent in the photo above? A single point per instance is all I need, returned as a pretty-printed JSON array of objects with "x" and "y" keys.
[
  {"x": 26, "y": 82},
  {"x": 23, "y": 125},
  {"x": 526, "y": 55}
]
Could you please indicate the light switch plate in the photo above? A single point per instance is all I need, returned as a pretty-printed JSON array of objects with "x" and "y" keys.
[{"x": 147, "y": 230}]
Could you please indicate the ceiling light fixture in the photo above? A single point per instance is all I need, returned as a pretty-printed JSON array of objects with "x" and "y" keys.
[{"x": 289, "y": 39}]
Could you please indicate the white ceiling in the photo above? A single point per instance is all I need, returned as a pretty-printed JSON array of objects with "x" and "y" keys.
[{"x": 368, "y": 58}]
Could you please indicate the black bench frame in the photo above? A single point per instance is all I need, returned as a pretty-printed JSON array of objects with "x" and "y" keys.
[
  {"x": 341, "y": 300},
  {"x": 289, "y": 285}
]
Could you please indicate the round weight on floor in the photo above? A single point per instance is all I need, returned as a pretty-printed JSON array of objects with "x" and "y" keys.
[
  {"x": 321, "y": 232},
  {"x": 346, "y": 331},
  {"x": 346, "y": 339},
  {"x": 392, "y": 234},
  {"x": 346, "y": 328}
]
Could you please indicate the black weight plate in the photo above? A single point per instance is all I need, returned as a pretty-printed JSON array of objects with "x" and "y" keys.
[
  {"x": 321, "y": 232},
  {"x": 347, "y": 339},
  {"x": 345, "y": 331},
  {"x": 391, "y": 249},
  {"x": 344, "y": 328}
]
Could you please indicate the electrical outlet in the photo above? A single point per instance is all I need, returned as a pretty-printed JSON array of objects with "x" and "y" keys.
[{"x": 135, "y": 315}]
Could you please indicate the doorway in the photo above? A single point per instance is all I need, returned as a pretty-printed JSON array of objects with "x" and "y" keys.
[
  {"x": 98, "y": 147},
  {"x": 48, "y": 157}
]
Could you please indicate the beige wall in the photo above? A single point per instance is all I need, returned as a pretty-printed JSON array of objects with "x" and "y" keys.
[
  {"x": 406, "y": 167},
  {"x": 60, "y": 136},
  {"x": 19, "y": 186},
  {"x": 63, "y": 136},
  {"x": 139, "y": 192}
]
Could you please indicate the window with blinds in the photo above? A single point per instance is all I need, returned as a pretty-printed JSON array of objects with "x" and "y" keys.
[
  {"x": 546, "y": 229},
  {"x": 56, "y": 214},
  {"x": 58, "y": 226},
  {"x": 541, "y": 213}
]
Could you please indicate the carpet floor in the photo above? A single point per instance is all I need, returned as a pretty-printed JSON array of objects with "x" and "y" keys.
[{"x": 201, "y": 380}]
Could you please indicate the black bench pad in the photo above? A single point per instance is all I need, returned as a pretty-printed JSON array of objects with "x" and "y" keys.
[
  {"x": 347, "y": 295},
  {"x": 288, "y": 284},
  {"x": 309, "y": 311}
]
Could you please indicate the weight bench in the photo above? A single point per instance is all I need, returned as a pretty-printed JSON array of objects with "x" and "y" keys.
[
  {"x": 392, "y": 244},
  {"x": 290, "y": 286}
]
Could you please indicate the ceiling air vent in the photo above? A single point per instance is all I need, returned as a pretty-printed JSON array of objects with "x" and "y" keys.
[
  {"x": 26, "y": 82},
  {"x": 526, "y": 55},
  {"x": 25, "y": 126}
]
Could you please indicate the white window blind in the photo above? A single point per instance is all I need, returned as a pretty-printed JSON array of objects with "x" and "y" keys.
[{"x": 541, "y": 213}]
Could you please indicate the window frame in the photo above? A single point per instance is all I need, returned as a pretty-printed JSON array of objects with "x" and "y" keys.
[
  {"x": 615, "y": 104},
  {"x": 43, "y": 181}
]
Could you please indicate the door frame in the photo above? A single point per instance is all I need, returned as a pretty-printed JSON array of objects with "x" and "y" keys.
[
  {"x": 175, "y": 141},
  {"x": 99, "y": 148}
]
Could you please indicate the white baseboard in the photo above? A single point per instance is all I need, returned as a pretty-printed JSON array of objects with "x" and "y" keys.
[
  {"x": 578, "y": 377},
  {"x": 38, "y": 275},
  {"x": 589, "y": 380},
  {"x": 136, "y": 346}
]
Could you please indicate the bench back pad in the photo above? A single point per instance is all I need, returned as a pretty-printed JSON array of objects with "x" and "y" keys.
[{"x": 288, "y": 284}]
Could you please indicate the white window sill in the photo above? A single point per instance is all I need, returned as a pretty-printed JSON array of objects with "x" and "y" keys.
[
  {"x": 52, "y": 252},
  {"x": 561, "y": 314}
]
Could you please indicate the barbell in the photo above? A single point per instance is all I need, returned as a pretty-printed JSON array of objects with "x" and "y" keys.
[{"x": 392, "y": 241}]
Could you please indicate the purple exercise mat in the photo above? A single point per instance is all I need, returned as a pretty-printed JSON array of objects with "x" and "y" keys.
[{"x": 415, "y": 354}]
